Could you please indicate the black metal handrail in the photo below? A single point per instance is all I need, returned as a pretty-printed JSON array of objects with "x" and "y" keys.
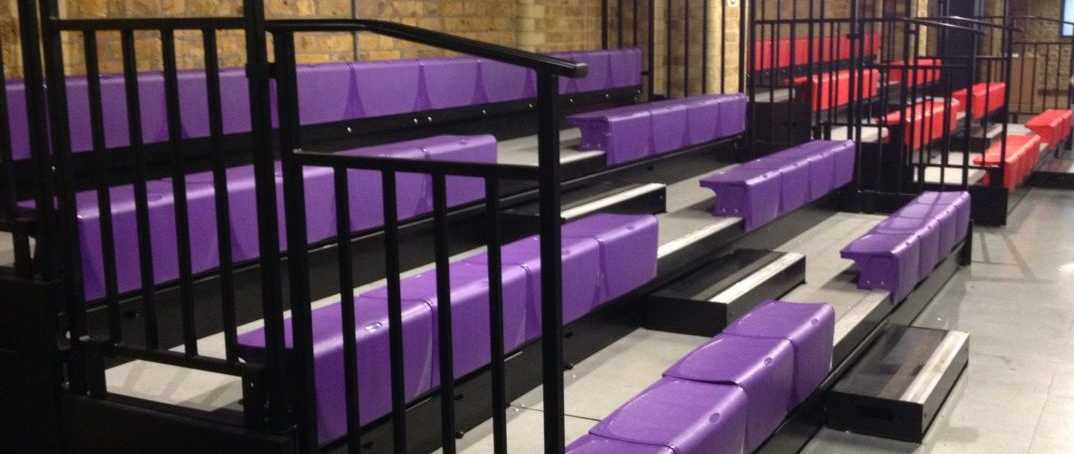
[{"x": 532, "y": 60}]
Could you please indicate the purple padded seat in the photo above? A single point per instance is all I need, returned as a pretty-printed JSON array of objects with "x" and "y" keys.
[
  {"x": 668, "y": 126},
  {"x": 450, "y": 82},
  {"x": 327, "y": 93},
  {"x": 388, "y": 87},
  {"x": 628, "y": 246},
  {"x": 581, "y": 271},
  {"x": 481, "y": 148},
  {"x": 598, "y": 77},
  {"x": 763, "y": 368},
  {"x": 567, "y": 85},
  {"x": 844, "y": 164},
  {"x": 809, "y": 327},
  {"x": 234, "y": 99},
  {"x": 114, "y": 106},
  {"x": 732, "y": 115},
  {"x": 928, "y": 233},
  {"x": 819, "y": 157},
  {"x": 373, "y": 353},
  {"x": 794, "y": 181},
  {"x": 504, "y": 82},
  {"x": 751, "y": 194},
  {"x": 886, "y": 261},
  {"x": 686, "y": 416},
  {"x": 624, "y": 67},
  {"x": 592, "y": 444},
  {"x": 17, "y": 121},
  {"x": 162, "y": 236},
  {"x": 956, "y": 202},
  {"x": 943, "y": 215},
  {"x": 624, "y": 133},
  {"x": 470, "y": 311},
  {"x": 702, "y": 118}
]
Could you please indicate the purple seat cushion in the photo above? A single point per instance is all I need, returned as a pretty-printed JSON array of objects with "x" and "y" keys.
[
  {"x": 234, "y": 99},
  {"x": 628, "y": 246},
  {"x": 592, "y": 444},
  {"x": 794, "y": 180},
  {"x": 625, "y": 133},
  {"x": 480, "y": 148},
  {"x": 668, "y": 127},
  {"x": 957, "y": 202},
  {"x": 686, "y": 416},
  {"x": 886, "y": 261},
  {"x": 581, "y": 276},
  {"x": 327, "y": 93},
  {"x": 752, "y": 194},
  {"x": 928, "y": 233},
  {"x": 450, "y": 82},
  {"x": 503, "y": 82},
  {"x": 17, "y": 120},
  {"x": 114, "y": 106},
  {"x": 703, "y": 118},
  {"x": 388, "y": 87},
  {"x": 844, "y": 156},
  {"x": 470, "y": 311},
  {"x": 625, "y": 67},
  {"x": 809, "y": 327},
  {"x": 763, "y": 368},
  {"x": 373, "y": 353},
  {"x": 732, "y": 115},
  {"x": 599, "y": 76},
  {"x": 944, "y": 215}
]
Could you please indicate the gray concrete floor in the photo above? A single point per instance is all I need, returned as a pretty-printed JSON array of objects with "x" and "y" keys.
[{"x": 1017, "y": 303}]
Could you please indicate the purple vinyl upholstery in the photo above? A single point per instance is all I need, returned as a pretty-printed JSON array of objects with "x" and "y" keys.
[
  {"x": 330, "y": 92},
  {"x": 765, "y": 188},
  {"x": 592, "y": 444},
  {"x": 925, "y": 231},
  {"x": 763, "y": 368},
  {"x": 623, "y": 134},
  {"x": 688, "y": 417},
  {"x": 810, "y": 328},
  {"x": 374, "y": 381},
  {"x": 628, "y": 246},
  {"x": 470, "y": 309}
]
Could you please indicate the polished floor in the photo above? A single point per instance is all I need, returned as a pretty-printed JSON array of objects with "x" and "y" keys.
[{"x": 1016, "y": 301}]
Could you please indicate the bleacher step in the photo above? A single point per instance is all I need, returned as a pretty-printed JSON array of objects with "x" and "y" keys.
[
  {"x": 898, "y": 386},
  {"x": 602, "y": 197},
  {"x": 705, "y": 301}
]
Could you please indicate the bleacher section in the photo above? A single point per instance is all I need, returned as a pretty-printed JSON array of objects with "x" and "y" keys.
[
  {"x": 730, "y": 394},
  {"x": 764, "y": 189},
  {"x": 773, "y": 54},
  {"x": 1022, "y": 155},
  {"x": 604, "y": 257},
  {"x": 344, "y": 91},
  {"x": 1053, "y": 126},
  {"x": 903, "y": 250},
  {"x": 635, "y": 132},
  {"x": 832, "y": 90},
  {"x": 924, "y": 121},
  {"x": 919, "y": 76},
  {"x": 988, "y": 97}
]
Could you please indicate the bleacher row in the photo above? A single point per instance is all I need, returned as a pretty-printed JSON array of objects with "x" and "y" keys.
[
  {"x": 344, "y": 91},
  {"x": 730, "y": 394},
  {"x": 782, "y": 53},
  {"x": 604, "y": 257},
  {"x": 1049, "y": 130}
]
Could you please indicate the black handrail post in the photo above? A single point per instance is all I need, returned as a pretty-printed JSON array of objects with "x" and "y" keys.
[
  {"x": 267, "y": 226},
  {"x": 551, "y": 265},
  {"x": 297, "y": 247},
  {"x": 443, "y": 315},
  {"x": 499, "y": 380}
]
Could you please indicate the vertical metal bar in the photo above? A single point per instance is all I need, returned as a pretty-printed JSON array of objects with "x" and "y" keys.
[
  {"x": 499, "y": 380},
  {"x": 443, "y": 314},
  {"x": 1058, "y": 76},
  {"x": 36, "y": 112},
  {"x": 971, "y": 71},
  {"x": 634, "y": 42},
  {"x": 551, "y": 265},
  {"x": 669, "y": 68},
  {"x": 268, "y": 225},
  {"x": 723, "y": 48},
  {"x": 103, "y": 163},
  {"x": 705, "y": 47},
  {"x": 220, "y": 194},
  {"x": 604, "y": 24},
  {"x": 294, "y": 194},
  {"x": 141, "y": 198},
  {"x": 622, "y": 19},
  {"x": 68, "y": 226},
  {"x": 652, "y": 47},
  {"x": 395, "y": 318},
  {"x": 686, "y": 49},
  {"x": 182, "y": 215},
  {"x": 346, "y": 293}
]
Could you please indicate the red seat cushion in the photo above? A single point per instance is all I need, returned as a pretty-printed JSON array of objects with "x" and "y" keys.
[
  {"x": 919, "y": 76},
  {"x": 987, "y": 97},
  {"x": 831, "y": 90},
  {"x": 1052, "y": 125},
  {"x": 1023, "y": 152},
  {"x": 924, "y": 122}
]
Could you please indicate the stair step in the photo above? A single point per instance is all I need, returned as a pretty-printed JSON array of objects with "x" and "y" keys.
[
  {"x": 602, "y": 197},
  {"x": 898, "y": 386},
  {"x": 705, "y": 301}
]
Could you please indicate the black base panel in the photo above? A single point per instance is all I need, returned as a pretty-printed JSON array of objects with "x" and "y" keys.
[
  {"x": 115, "y": 425},
  {"x": 803, "y": 423},
  {"x": 868, "y": 399},
  {"x": 684, "y": 306},
  {"x": 1052, "y": 180}
]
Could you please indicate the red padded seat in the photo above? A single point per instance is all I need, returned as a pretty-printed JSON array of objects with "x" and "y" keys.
[
  {"x": 1052, "y": 125},
  {"x": 925, "y": 121},
  {"x": 920, "y": 76},
  {"x": 831, "y": 90},
  {"x": 987, "y": 97},
  {"x": 1023, "y": 152}
]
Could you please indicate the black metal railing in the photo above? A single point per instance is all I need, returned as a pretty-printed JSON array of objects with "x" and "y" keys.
[
  {"x": 1042, "y": 69},
  {"x": 547, "y": 70}
]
